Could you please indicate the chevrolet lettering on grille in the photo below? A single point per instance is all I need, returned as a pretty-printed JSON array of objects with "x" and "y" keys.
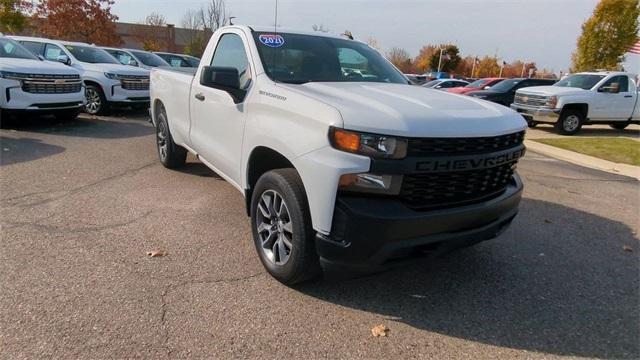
[{"x": 470, "y": 163}]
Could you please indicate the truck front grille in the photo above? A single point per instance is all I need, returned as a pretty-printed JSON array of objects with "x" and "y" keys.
[
  {"x": 441, "y": 190},
  {"x": 419, "y": 147},
  {"x": 431, "y": 190},
  {"x": 52, "y": 84},
  {"x": 530, "y": 100},
  {"x": 133, "y": 82}
]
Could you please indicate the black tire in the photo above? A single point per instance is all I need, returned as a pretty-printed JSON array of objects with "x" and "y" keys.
[
  {"x": 302, "y": 263},
  {"x": 531, "y": 124},
  {"x": 172, "y": 156},
  {"x": 570, "y": 122},
  {"x": 619, "y": 126},
  {"x": 96, "y": 101},
  {"x": 67, "y": 115}
]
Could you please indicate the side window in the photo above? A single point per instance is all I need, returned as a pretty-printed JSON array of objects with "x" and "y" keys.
[
  {"x": 123, "y": 57},
  {"x": 52, "y": 52},
  {"x": 34, "y": 47},
  {"x": 176, "y": 62},
  {"x": 622, "y": 81},
  {"x": 230, "y": 53}
]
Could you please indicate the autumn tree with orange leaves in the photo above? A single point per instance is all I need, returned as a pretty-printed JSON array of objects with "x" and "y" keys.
[{"x": 89, "y": 21}]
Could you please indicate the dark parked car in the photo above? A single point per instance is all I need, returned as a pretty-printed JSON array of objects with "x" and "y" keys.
[
  {"x": 179, "y": 60},
  {"x": 504, "y": 92}
]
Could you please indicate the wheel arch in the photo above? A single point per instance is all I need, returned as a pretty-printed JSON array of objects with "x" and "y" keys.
[
  {"x": 583, "y": 108},
  {"x": 261, "y": 160}
]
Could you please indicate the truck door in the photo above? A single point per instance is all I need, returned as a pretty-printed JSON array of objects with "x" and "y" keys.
[
  {"x": 217, "y": 121},
  {"x": 615, "y": 100}
]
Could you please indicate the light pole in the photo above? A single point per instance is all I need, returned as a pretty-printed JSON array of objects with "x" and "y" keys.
[{"x": 440, "y": 60}]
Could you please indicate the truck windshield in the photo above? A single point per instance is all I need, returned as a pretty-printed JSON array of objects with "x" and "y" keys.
[
  {"x": 11, "y": 49},
  {"x": 584, "y": 81},
  {"x": 299, "y": 59},
  {"x": 149, "y": 59},
  {"x": 91, "y": 55}
]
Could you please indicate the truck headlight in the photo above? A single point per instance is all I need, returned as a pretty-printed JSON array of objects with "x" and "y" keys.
[
  {"x": 376, "y": 146},
  {"x": 371, "y": 183},
  {"x": 552, "y": 101},
  {"x": 112, "y": 76}
]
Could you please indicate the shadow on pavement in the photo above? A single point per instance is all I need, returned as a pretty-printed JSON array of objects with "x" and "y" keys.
[
  {"x": 199, "y": 169},
  {"x": 81, "y": 127},
  {"x": 15, "y": 151},
  {"x": 558, "y": 282},
  {"x": 588, "y": 131}
]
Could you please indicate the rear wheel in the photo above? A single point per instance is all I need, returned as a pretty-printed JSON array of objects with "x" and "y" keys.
[
  {"x": 619, "y": 126},
  {"x": 171, "y": 155},
  {"x": 282, "y": 231},
  {"x": 570, "y": 122}
]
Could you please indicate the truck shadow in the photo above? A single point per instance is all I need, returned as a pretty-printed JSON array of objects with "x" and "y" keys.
[
  {"x": 84, "y": 127},
  {"x": 557, "y": 282},
  {"x": 15, "y": 151},
  {"x": 588, "y": 131}
]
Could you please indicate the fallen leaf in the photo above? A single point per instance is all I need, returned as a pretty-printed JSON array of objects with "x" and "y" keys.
[
  {"x": 157, "y": 253},
  {"x": 379, "y": 330},
  {"x": 627, "y": 248},
  {"x": 547, "y": 221}
]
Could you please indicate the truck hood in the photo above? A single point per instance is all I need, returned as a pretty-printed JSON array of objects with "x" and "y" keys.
[
  {"x": 552, "y": 90},
  {"x": 27, "y": 66},
  {"x": 115, "y": 69},
  {"x": 412, "y": 111}
]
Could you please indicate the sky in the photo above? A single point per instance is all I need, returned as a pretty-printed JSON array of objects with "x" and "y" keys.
[{"x": 544, "y": 31}]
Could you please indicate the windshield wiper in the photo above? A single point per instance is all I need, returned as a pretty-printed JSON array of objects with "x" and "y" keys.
[{"x": 297, "y": 82}]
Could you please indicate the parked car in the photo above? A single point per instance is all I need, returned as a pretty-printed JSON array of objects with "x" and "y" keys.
[
  {"x": 582, "y": 99},
  {"x": 433, "y": 75},
  {"x": 416, "y": 79},
  {"x": 504, "y": 92},
  {"x": 481, "y": 84},
  {"x": 139, "y": 58},
  {"x": 30, "y": 84},
  {"x": 339, "y": 172},
  {"x": 179, "y": 60},
  {"x": 107, "y": 81},
  {"x": 445, "y": 84}
]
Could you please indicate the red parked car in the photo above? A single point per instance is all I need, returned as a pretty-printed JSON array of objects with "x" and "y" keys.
[{"x": 481, "y": 84}]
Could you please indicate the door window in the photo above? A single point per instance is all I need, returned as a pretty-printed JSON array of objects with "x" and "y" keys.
[
  {"x": 622, "y": 81},
  {"x": 52, "y": 52},
  {"x": 230, "y": 53}
]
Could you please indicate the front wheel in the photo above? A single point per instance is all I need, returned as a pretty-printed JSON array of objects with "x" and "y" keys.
[
  {"x": 570, "y": 122},
  {"x": 96, "y": 101},
  {"x": 531, "y": 124},
  {"x": 281, "y": 225},
  {"x": 619, "y": 126}
]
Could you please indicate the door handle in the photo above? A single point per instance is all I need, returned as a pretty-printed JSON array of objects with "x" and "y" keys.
[
  {"x": 200, "y": 97},
  {"x": 628, "y": 96}
]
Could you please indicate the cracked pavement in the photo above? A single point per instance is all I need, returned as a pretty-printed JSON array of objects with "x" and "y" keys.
[{"x": 81, "y": 204}]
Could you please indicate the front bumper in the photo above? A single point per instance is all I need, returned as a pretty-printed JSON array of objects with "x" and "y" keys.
[
  {"x": 537, "y": 114},
  {"x": 369, "y": 232},
  {"x": 117, "y": 94},
  {"x": 13, "y": 98}
]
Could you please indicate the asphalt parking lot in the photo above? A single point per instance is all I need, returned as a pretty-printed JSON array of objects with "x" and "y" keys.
[{"x": 83, "y": 202}]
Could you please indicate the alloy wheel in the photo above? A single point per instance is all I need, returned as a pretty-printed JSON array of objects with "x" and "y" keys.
[
  {"x": 275, "y": 227},
  {"x": 571, "y": 123},
  {"x": 161, "y": 135},
  {"x": 94, "y": 101}
]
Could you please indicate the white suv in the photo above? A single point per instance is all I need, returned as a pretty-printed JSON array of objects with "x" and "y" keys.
[
  {"x": 107, "y": 81},
  {"x": 28, "y": 84}
]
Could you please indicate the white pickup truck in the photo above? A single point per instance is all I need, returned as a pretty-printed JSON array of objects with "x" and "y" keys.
[
  {"x": 108, "y": 82},
  {"x": 28, "y": 84},
  {"x": 339, "y": 170},
  {"x": 582, "y": 99}
]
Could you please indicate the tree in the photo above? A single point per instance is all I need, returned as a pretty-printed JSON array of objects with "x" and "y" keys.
[
  {"x": 487, "y": 67},
  {"x": 194, "y": 37},
  {"x": 450, "y": 58},
  {"x": 214, "y": 15},
  {"x": 153, "y": 33},
  {"x": 13, "y": 18},
  {"x": 422, "y": 62},
  {"x": 89, "y": 21},
  {"x": 607, "y": 35},
  {"x": 400, "y": 58},
  {"x": 373, "y": 42}
]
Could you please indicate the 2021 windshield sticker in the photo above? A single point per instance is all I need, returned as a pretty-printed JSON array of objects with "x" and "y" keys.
[{"x": 271, "y": 40}]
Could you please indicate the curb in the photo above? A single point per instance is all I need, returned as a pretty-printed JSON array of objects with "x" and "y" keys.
[{"x": 584, "y": 160}]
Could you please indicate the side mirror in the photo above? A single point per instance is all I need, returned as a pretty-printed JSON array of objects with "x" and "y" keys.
[
  {"x": 64, "y": 59},
  {"x": 614, "y": 88},
  {"x": 438, "y": 87},
  {"x": 223, "y": 78},
  {"x": 486, "y": 88}
]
